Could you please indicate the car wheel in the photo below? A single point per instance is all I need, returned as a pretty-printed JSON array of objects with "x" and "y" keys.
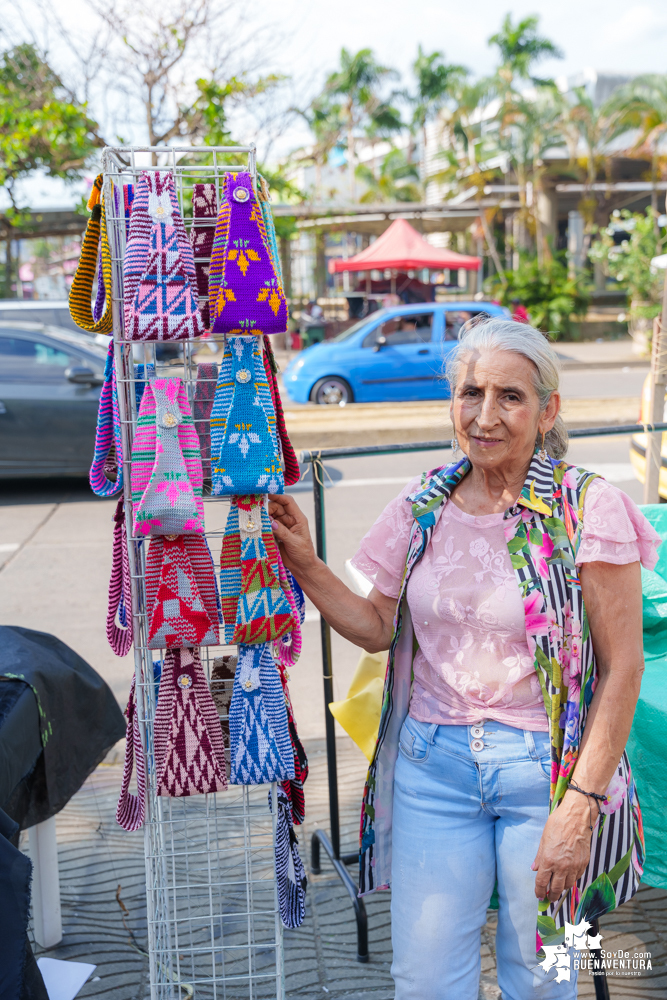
[{"x": 331, "y": 391}]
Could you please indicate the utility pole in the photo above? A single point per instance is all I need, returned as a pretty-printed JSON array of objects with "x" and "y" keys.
[{"x": 657, "y": 403}]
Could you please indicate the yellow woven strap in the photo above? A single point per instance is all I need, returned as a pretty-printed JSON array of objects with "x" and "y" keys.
[{"x": 82, "y": 285}]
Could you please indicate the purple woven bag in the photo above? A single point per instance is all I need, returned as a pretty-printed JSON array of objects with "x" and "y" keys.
[
  {"x": 131, "y": 809},
  {"x": 119, "y": 614}
]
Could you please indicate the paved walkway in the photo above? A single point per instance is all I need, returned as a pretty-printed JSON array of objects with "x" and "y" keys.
[{"x": 100, "y": 865}]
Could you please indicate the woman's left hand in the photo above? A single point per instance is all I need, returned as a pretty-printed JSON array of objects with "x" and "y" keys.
[{"x": 565, "y": 847}]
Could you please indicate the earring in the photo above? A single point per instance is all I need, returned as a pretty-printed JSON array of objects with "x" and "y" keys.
[
  {"x": 542, "y": 453},
  {"x": 455, "y": 447}
]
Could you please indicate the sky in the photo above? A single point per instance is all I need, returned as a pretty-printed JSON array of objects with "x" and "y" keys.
[{"x": 306, "y": 37}]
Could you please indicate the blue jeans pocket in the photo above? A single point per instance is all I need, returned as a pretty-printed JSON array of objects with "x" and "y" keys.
[{"x": 412, "y": 743}]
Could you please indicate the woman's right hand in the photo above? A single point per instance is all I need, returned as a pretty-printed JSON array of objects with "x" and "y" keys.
[{"x": 291, "y": 530}]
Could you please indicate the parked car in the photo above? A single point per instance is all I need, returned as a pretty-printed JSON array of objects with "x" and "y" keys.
[
  {"x": 394, "y": 354},
  {"x": 638, "y": 442},
  {"x": 50, "y": 381}
]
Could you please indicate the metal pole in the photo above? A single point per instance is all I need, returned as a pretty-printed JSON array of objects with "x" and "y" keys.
[
  {"x": 327, "y": 675},
  {"x": 653, "y": 462}
]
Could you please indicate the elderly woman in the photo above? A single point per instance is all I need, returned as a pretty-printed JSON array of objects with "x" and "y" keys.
[{"x": 507, "y": 589}]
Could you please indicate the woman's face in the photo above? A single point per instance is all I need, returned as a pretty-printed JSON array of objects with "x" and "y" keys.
[{"x": 496, "y": 410}]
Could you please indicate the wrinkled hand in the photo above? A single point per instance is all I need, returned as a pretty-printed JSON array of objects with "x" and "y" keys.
[
  {"x": 565, "y": 848},
  {"x": 292, "y": 533}
]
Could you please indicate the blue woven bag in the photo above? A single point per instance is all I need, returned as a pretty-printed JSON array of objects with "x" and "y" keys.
[
  {"x": 245, "y": 457},
  {"x": 261, "y": 750}
]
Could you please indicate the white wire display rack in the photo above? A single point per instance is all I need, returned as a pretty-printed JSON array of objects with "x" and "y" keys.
[{"x": 214, "y": 927}]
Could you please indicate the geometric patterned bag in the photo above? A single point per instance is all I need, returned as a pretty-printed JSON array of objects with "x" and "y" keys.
[
  {"x": 261, "y": 751},
  {"x": 189, "y": 752},
  {"x": 245, "y": 457},
  {"x": 290, "y": 461},
  {"x": 108, "y": 442},
  {"x": 202, "y": 404},
  {"x": 131, "y": 809},
  {"x": 158, "y": 269},
  {"x": 255, "y": 601},
  {"x": 294, "y": 788},
  {"x": 204, "y": 211},
  {"x": 245, "y": 292},
  {"x": 291, "y": 878},
  {"x": 166, "y": 471},
  {"x": 181, "y": 599}
]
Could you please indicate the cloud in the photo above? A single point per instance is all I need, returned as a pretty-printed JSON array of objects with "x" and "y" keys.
[{"x": 634, "y": 25}]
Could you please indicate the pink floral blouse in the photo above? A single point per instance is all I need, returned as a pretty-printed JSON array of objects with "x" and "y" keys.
[{"x": 473, "y": 661}]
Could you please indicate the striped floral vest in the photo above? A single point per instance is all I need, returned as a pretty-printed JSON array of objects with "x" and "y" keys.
[{"x": 542, "y": 546}]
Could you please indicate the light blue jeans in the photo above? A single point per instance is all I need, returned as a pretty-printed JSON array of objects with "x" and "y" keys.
[{"x": 468, "y": 810}]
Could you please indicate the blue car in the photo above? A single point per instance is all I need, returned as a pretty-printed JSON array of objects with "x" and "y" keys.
[{"x": 394, "y": 354}]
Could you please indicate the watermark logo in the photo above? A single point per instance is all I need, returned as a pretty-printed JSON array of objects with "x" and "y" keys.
[{"x": 566, "y": 957}]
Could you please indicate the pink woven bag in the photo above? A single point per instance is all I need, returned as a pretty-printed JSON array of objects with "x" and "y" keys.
[
  {"x": 166, "y": 476},
  {"x": 131, "y": 809},
  {"x": 187, "y": 736},
  {"x": 181, "y": 601},
  {"x": 119, "y": 614}
]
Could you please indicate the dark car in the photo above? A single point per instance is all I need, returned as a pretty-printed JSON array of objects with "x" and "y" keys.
[{"x": 50, "y": 383}]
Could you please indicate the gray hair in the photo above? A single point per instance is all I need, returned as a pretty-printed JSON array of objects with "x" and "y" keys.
[{"x": 506, "y": 335}]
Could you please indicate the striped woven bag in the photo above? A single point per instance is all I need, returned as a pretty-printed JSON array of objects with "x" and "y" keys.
[
  {"x": 181, "y": 597},
  {"x": 166, "y": 475},
  {"x": 202, "y": 405},
  {"x": 261, "y": 750},
  {"x": 204, "y": 211},
  {"x": 131, "y": 809},
  {"x": 119, "y": 614},
  {"x": 245, "y": 291},
  {"x": 187, "y": 738},
  {"x": 108, "y": 452},
  {"x": 95, "y": 243},
  {"x": 159, "y": 270},
  {"x": 291, "y": 881},
  {"x": 290, "y": 461},
  {"x": 245, "y": 457},
  {"x": 255, "y": 602}
]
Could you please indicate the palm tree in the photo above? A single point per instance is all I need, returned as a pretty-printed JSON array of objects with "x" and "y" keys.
[
  {"x": 357, "y": 82},
  {"x": 397, "y": 179},
  {"x": 589, "y": 129},
  {"x": 642, "y": 104},
  {"x": 324, "y": 118},
  {"x": 520, "y": 47},
  {"x": 437, "y": 82}
]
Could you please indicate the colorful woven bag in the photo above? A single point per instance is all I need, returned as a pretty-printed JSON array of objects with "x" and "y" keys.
[
  {"x": 261, "y": 751},
  {"x": 291, "y": 881},
  {"x": 187, "y": 739},
  {"x": 95, "y": 244},
  {"x": 204, "y": 211},
  {"x": 245, "y": 457},
  {"x": 245, "y": 291},
  {"x": 131, "y": 809},
  {"x": 181, "y": 599},
  {"x": 166, "y": 475},
  {"x": 294, "y": 787},
  {"x": 108, "y": 454},
  {"x": 202, "y": 405},
  {"x": 255, "y": 604},
  {"x": 159, "y": 270},
  {"x": 264, "y": 199},
  {"x": 119, "y": 614},
  {"x": 290, "y": 461}
]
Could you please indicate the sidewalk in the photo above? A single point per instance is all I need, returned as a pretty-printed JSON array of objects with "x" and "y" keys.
[{"x": 98, "y": 859}]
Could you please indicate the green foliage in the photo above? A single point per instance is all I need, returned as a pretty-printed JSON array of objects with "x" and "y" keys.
[
  {"x": 398, "y": 180},
  {"x": 553, "y": 300},
  {"x": 436, "y": 81},
  {"x": 41, "y": 126},
  {"x": 630, "y": 261},
  {"x": 520, "y": 46}
]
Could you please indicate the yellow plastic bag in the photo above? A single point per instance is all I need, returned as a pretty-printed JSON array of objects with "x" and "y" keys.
[{"x": 359, "y": 713}]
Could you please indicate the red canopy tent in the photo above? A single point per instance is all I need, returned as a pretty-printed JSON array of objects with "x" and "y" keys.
[{"x": 402, "y": 248}]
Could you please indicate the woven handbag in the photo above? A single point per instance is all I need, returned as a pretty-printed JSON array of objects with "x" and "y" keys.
[
  {"x": 294, "y": 787},
  {"x": 291, "y": 881},
  {"x": 101, "y": 297},
  {"x": 159, "y": 271},
  {"x": 202, "y": 405},
  {"x": 181, "y": 599},
  {"x": 95, "y": 244},
  {"x": 261, "y": 750},
  {"x": 204, "y": 211},
  {"x": 187, "y": 739},
  {"x": 290, "y": 461},
  {"x": 255, "y": 604},
  {"x": 166, "y": 474},
  {"x": 108, "y": 454},
  {"x": 245, "y": 457},
  {"x": 245, "y": 291},
  {"x": 131, "y": 809},
  {"x": 119, "y": 614}
]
